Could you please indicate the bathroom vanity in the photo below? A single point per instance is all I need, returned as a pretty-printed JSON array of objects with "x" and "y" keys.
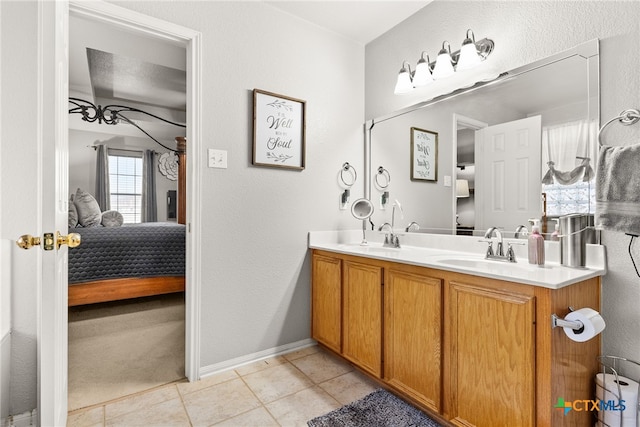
[{"x": 466, "y": 338}]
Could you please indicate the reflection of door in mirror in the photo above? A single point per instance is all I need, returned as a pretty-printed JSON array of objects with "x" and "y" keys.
[
  {"x": 465, "y": 173},
  {"x": 508, "y": 184}
]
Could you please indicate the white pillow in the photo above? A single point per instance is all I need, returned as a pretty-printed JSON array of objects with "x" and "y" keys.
[{"x": 89, "y": 214}]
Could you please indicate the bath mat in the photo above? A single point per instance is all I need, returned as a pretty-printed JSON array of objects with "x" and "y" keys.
[{"x": 380, "y": 409}]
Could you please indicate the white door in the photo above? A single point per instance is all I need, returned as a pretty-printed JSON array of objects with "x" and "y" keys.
[
  {"x": 52, "y": 169},
  {"x": 510, "y": 150}
]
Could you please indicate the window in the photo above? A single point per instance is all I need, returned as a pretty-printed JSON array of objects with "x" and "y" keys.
[
  {"x": 125, "y": 181},
  {"x": 567, "y": 199}
]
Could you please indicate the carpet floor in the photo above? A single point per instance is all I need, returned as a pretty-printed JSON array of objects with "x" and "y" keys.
[
  {"x": 380, "y": 409},
  {"x": 121, "y": 348}
]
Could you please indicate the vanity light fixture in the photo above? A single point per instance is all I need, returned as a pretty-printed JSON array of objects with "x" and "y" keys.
[
  {"x": 446, "y": 64},
  {"x": 422, "y": 76},
  {"x": 469, "y": 56},
  {"x": 404, "y": 84}
]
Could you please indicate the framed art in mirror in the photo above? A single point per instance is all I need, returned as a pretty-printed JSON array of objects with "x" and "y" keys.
[
  {"x": 278, "y": 131},
  {"x": 424, "y": 155}
]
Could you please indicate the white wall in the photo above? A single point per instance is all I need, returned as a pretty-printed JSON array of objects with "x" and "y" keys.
[
  {"x": 18, "y": 171},
  {"x": 82, "y": 163},
  {"x": 256, "y": 267},
  {"x": 525, "y": 32}
]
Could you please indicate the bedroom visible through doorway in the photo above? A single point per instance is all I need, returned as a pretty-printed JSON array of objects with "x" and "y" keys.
[{"x": 126, "y": 324}]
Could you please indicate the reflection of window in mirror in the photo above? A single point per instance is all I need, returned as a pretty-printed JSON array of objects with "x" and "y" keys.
[{"x": 567, "y": 144}]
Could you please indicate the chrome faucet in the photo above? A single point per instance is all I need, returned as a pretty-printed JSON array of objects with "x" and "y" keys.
[
  {"x": 487, "y": 235},
  {"x": 412, "y": 226},
  {"x": 521, "y": 230},
  {"x": 499, "y": 255},
  {"x": 390, "y": 239}
]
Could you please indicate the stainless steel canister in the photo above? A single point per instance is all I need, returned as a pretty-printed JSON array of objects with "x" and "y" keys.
[{"x": 575, "y": 233}]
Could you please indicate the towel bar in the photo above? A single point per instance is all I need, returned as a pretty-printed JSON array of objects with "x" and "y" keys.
[{"x": 627, "y": 117}]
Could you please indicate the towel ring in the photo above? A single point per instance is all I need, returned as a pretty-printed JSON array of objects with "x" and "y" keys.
[
  {"x": 627, "y": 118},
  {"x": 382, "y": 172},
  {"x": 346, "y": 167}
]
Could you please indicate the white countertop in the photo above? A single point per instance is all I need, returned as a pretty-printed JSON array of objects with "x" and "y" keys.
[{"x": 464, "y": 254}]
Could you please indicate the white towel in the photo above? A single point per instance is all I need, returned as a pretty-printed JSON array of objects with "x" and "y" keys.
[{"x": 618, "y": 189}]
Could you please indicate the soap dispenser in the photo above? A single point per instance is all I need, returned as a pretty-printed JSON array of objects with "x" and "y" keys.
[
  {"x": 555, "y": 236},
  {"x": 536, "y": 244}
]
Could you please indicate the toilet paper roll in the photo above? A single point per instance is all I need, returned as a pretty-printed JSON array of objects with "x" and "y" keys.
[
  {"x": 592, "y": 323},
  {"x": 607, "y": 390}
]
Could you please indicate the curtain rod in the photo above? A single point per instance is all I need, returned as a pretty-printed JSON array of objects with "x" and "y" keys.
[{"x": 95, "y": 147}]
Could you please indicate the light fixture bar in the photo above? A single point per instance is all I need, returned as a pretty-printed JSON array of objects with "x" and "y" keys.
[{"x": 447, "y": 63}]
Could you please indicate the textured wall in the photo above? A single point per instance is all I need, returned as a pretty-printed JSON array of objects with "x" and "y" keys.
[{"x": 525, "y": 32}]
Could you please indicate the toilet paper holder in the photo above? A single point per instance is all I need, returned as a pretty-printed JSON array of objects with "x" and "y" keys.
[{"x": 560, "y": 322}]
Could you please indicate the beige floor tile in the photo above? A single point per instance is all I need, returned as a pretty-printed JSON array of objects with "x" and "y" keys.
[
  {"x": 187, "y": 387},
  {"x": 140, "y": 401},
  {"x": 170, "y": 413},
  {"x": 302, "y": 353},
  {"x": 349, "y": 387},
  {"x": 219, "y": 402},
  {"x": 260, "y": 365},
  {"x": 88, "y": 418},
  {"x": 322, "y": 366},
  {"x": 258, "y": 417},
  {"x": 297, "y": 409},
  {"x": 273, "y": 383}
]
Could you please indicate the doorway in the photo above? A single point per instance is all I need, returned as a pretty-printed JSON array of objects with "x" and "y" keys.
[{"x": 131, "y": 30}]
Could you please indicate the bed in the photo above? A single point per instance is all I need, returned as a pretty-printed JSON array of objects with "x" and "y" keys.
[{"x": 134, "y": 260}]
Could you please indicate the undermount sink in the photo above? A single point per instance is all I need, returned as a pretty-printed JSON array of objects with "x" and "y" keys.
[{"x": 372, "y": 248}]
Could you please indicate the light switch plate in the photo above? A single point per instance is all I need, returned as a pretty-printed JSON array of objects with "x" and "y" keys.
[
  {"x": 447, "y": 181},
  {"x": 217, "y": 158}
]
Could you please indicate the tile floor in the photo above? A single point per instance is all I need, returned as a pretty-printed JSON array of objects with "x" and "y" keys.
[{"x": 285, "y": 390}]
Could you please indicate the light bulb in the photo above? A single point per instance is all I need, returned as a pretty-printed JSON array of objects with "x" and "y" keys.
[
  {"x": 444, "y": 64},
  {"x": 469, "y": 56},
  {"x": 423, "y": 75},
  {"x": 403, "y": 84}
]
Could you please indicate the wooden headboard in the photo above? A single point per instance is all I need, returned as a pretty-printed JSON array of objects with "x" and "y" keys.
[{"x": 181, "y": 143}]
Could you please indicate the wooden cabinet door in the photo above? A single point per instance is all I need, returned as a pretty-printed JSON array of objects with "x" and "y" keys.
[
  {"x": 413, "y": 335},
  {"x": 492, "y": 359},
  {"x": 326, "y": 308},
  {"x": 362, "y": 316}
]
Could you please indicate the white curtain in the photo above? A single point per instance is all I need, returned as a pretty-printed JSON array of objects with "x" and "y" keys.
[
  {"x": 149, "y": 202},
  {"x": 569, "y": 150},
  {"x": 103, "y": 191}
]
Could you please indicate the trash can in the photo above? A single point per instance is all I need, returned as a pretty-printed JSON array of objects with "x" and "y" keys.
[{"x": 575, "y": 233}]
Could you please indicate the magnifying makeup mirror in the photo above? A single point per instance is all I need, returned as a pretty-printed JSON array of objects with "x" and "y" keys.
[{"x": 362, "y": 209}]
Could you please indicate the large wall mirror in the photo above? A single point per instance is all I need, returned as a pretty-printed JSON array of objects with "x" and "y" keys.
[{"x": 494, "y": 144}]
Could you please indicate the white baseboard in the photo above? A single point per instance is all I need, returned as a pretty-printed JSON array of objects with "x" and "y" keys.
[
  {"x": 25, "y": 419},
  {"x": 207, "y": 371}
]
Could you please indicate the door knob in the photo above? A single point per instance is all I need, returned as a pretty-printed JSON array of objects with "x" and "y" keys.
[
  {"x": 27, "y": 241},
  {"x": 72, "y": 240}
]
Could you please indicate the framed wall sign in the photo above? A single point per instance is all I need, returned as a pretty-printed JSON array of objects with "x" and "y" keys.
[
  {"x": 424, "y": 155},
  {"x": 278, "y": 130}
]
